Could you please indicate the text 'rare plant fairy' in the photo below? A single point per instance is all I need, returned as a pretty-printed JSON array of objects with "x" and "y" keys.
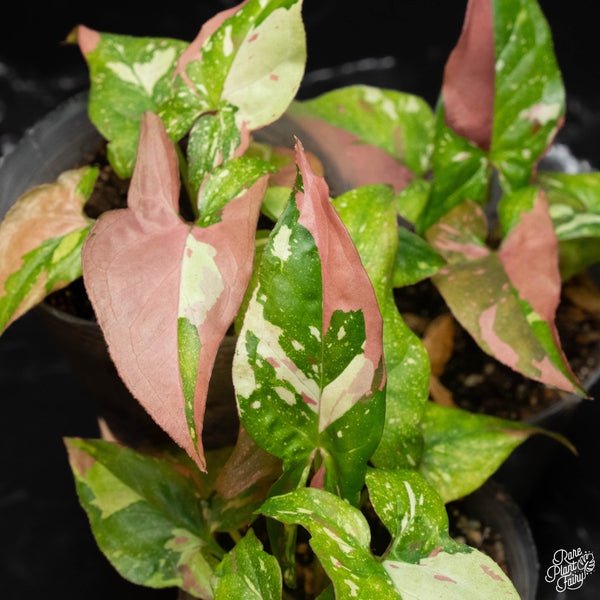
[{"x": 337, "y": 436}]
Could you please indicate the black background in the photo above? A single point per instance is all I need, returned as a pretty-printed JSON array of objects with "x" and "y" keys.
[{"x": 46, "y": 548}]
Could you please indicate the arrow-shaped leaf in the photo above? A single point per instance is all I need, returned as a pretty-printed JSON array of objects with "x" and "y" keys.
[
  {"x": 308, "y": 369},
  {"x": 40, "y": 242},
  {"x": 506, "y": 299},
  {"x": 166, "y": 291},
  {"x": 502, "y": 103}
]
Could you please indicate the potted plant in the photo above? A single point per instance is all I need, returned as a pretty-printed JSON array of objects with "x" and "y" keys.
[{"x": 331, "y": 385}]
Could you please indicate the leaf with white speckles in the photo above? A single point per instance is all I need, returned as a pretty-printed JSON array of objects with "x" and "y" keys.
[
  {"x": 40, "y": 242},
  {"x": 340, "y": 537},
  {"x": 258, "y": 52},
  {"x": 506, "y": 298},
  {"x": 422, "y": 560},
  {"x": 154, "y": 535},
  {"x": 166, "y": 291},
  {"x": 308, "y": 370},
  {"x": 246, "y": 62},
  {"x": 129, "y": 76},
  {"x": 248, "y": 573},
  {"x": 369, "y": 213},
  {"x": 502, "y": 103}
]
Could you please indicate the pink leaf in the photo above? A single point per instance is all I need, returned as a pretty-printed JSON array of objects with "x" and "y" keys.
[
  {"x": 529, "y": 255},
  {"x": 344, "y": 288},
  {"x": 354, "y": 163},
  {"x": 133, "y": 271},
  {"x": 468, "y": 89}
]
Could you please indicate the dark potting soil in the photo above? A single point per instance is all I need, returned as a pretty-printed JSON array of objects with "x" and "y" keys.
[{"x": 479, "y": 383}]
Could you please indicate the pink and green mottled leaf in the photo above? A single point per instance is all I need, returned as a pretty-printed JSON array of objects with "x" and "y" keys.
[
  {"x": 399, "y": 124},
  {"x": 506, "y": 299},
  {"x": 308, "y": 369},
  {"x": 502, "y": 103},
  {"x": 248, "y": 572},
  {"x": 257, "y": 51},
  {"x": 40, "y": 242},
  {"x": 463, "y": 449},
  {"x": 574, "y": 201},
  {"x": 369, "y": 213},
  {"x": 165, "y": 291},
  {"x": 154, "y": 535},
  {"x": 423, "y": 561}
]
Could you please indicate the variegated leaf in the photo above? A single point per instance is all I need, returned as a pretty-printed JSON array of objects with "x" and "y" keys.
[
  {"x": 575, "y": 210},
  {"x": 340, "y": 537},
  {"x": 502, "y": 103},
  {"x": 40, "y": 242},
  {"x": 422, "y": 560},
  {"x": 369, "y": 213},
  {"x": 252, "y": 52},
  {"x": 463, "y": 449},
  {"x": 308, "y": 369},
  {"x": 154, "y": 535},
  {"x": 248, "y": 573},
  {"x": 165, "y": 291},
  {"x": 129, "y": 76},
  {"x": 506, "y": 299},
  {"x": 241, "y": 56}
]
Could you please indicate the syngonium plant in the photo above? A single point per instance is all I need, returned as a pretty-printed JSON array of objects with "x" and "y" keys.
[{"x": 331, "y": 385}]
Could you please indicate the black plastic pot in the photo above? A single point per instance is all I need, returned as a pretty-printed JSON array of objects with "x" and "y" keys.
[{"x": 63, "y": 140}]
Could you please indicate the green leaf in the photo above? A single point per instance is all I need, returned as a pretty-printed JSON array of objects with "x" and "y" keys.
[
  {"x": 340, "y": 538},
  {"x": 40, "y": 242},
  {"x": 463, "y": 449},
  {"x": 423, "y": 561},
  {"x": 227, "y": 182},
  {"x": 415, "y": 259},
  {"x": 369, "y": 213},
  {"x": 461, "y": 171},
  {"x": 240, "y": 57},
  {"x": 506, "y": 299},
  {"x": 308, "y": 369},
  {"x": 248, "y": 573},
  {"x": 145, "y": 516},
  {"x": 529, "y": 101},
  {"x": 129, "y": 76}
]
